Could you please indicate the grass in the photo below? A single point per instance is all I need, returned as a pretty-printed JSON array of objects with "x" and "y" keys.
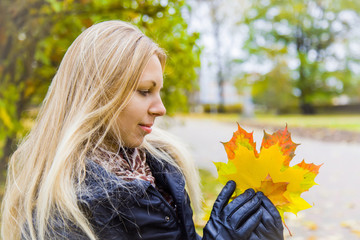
[
  {"x": 210, "y": 187},
  {"x": 339, "y": 122}
]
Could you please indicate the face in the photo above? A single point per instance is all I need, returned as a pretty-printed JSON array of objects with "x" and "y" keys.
[{"x": 145, "y": 106}]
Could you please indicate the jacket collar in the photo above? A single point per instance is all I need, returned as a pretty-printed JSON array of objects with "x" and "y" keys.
[
  {"x": 173, "y": 181},
  {"x": 166, "y": 175},
  {"x": 100, "y": 184}
]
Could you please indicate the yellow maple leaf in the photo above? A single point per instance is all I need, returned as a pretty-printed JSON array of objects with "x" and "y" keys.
[{"x": 268, "y": 171}]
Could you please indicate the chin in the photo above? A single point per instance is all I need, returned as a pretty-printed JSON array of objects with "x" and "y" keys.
[{"x": 134, "y": 144}]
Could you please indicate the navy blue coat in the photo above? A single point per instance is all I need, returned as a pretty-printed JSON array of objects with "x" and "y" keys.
[{"x": 115, "y": 212}]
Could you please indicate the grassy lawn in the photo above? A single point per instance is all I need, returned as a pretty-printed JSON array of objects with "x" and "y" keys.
[
  {"x": 210, "y": 188},
  {"x": 340, "y": 122}
]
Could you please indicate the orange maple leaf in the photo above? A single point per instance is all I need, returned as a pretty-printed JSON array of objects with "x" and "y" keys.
[
  {"x": 268, "y": 171},
  {"x": 274, "y": 191}
]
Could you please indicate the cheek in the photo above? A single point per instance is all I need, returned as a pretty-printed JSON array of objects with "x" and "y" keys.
[
  {"x": 133, "y": 114},
  {"x": 131, "y": 134},
  {"x": 128, "y": 115},
  {"x": 136, "y": 112},
  {"x": 128, "y": 123}
]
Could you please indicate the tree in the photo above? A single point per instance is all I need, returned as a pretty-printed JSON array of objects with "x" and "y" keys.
[
  {"x": 171, "y": 32},
  {"x": 35, "y": 34},
  {"x": 216, "y": 19},
  {"x": 313, "y": 37},
  {"x": 275, "y": 95}
]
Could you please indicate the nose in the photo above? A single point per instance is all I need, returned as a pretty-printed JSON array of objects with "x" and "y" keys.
[{"x": 157, "y": 108}]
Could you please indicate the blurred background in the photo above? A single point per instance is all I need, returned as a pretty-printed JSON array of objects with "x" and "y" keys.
[{"x": 262, "y": 63}]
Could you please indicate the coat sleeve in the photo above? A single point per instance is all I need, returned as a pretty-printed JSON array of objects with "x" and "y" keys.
[
  {"x": 57, "y": 229},
  {"x": 103, "y": 221},
  {"x": 106, "y": 222}
]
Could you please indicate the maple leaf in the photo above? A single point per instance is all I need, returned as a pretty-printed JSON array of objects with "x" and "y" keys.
[{"x": 268, "y": 171}]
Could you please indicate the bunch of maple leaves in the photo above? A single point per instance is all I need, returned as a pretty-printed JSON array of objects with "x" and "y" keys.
[{"x": 268, "y": 171}]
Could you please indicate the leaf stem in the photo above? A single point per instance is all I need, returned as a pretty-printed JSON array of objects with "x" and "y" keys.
[{"x": 287, "y": 228}]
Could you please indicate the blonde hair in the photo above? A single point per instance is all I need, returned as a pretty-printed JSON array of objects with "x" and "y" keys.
[{"x": 95, "y": 80}]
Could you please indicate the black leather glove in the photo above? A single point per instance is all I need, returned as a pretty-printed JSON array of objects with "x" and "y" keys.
[
  {"x": 236, "y": 220},
  {"x": 270, "y": 226}
]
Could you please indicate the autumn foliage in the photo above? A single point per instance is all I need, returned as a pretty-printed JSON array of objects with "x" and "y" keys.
[{"x": 269, "y": 170}]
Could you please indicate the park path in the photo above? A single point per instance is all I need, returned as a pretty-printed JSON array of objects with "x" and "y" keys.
[{"x": 335, "y": 214}]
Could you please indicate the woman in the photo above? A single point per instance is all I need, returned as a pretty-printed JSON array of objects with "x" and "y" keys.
[{"x": 86, "y": 169}]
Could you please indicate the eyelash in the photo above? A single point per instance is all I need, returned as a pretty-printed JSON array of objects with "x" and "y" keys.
[{"x": 144, "y": 92}]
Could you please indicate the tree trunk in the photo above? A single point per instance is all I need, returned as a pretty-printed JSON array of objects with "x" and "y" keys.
[
  {"x": 307, "y": 109},
  {"x": 8, "y": 150},
  {"x": 220, "y": 75}
]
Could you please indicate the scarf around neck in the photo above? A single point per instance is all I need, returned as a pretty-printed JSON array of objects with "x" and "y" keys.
[{"x": 129, "y": 164}]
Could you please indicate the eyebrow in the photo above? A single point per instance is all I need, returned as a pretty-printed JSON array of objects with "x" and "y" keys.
[{"x": 152, "y": 81}]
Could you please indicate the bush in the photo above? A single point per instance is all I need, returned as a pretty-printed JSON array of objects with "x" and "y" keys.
[{"x": 228, "y": 108}]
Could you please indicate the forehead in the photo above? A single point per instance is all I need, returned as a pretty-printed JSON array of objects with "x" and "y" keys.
[{"x": 152, "y": 71}]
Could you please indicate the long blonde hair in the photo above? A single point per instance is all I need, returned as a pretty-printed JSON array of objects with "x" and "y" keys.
[{"x": 95, "y": 80}]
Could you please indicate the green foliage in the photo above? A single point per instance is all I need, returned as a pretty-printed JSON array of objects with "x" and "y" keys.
[
  {"x": 228, "y": 108},
  {"x": 35, "y": 34},
  {"x": 308, "y": 34},
  {"x": 183, "y": 56},
  {"x": 210, "y": 188},
  {"x": 274, "y": 89},
  {"x": 9, "y": 124}
]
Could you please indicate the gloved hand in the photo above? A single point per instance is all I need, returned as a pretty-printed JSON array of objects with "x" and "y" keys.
[
  {"x": 270, "y": 226},
  {"x": 236, "y": 220}
]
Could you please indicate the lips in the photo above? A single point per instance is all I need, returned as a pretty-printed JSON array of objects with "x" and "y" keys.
[{"x": 146, "y": 127}]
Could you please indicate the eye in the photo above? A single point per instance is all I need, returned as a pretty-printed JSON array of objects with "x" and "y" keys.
[{"x": 144, "y": 92}]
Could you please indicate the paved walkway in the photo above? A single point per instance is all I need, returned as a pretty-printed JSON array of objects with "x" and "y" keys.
[{"x": 336, "y": 211}]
